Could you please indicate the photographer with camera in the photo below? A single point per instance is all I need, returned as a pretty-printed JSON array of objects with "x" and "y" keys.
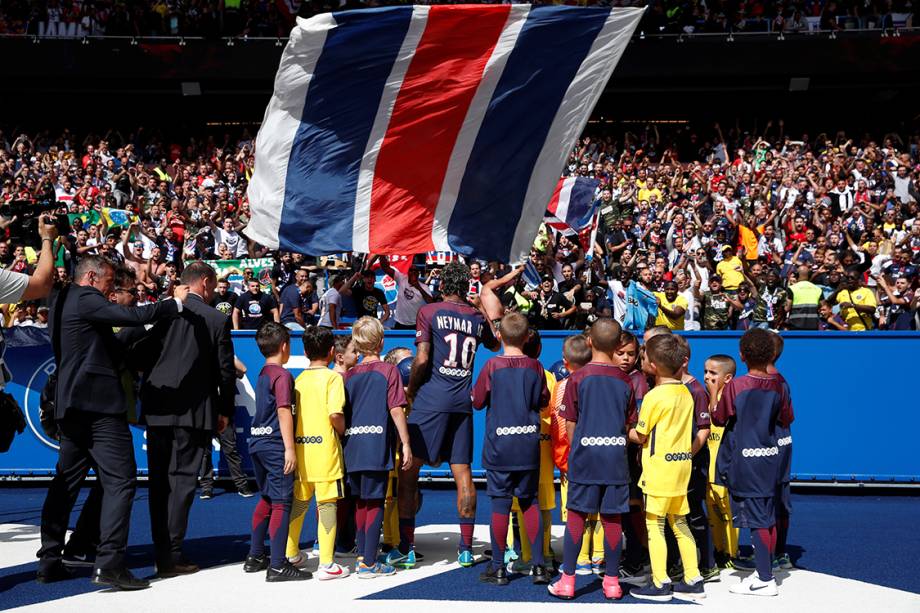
[{"x": 15, "y": 286}]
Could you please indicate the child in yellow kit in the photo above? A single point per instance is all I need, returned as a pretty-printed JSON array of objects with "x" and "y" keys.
[
  {"x": 320, "y": 402},
  {"x": 665, "y": 431},
  {"x": 719, "y": 370}
]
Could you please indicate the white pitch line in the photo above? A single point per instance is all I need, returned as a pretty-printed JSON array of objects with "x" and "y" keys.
[{"x": 227, "y": 589}]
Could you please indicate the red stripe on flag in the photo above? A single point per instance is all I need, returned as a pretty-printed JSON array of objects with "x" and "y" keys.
[
  {"x": 554, "y": 201},
  {"x": 429, "y": 111}
]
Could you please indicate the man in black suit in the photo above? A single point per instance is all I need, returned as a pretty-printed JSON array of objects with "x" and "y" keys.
[
  {"x": 90, "y": 412},
  {"x": 188, "y": 395}
]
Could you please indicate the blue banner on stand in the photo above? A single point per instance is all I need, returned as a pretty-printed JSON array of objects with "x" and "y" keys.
[{"x": 836, "y": 380}]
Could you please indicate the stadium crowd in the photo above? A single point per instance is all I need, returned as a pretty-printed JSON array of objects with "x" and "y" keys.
[
  {"x": 77, "y": 18},
  {"x": 697, "y": 228}
]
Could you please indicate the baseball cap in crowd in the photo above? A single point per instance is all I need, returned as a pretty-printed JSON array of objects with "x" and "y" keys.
[{"x": 727, "y": 248}]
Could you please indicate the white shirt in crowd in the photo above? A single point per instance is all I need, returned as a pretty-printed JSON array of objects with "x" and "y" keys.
[
  {"x": 409, "y": 299},
  {"x": 332, "y": 296}
]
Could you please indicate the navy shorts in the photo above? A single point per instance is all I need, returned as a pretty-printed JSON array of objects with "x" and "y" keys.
[
  {"x": 441, "y": 437},
  {"x": 753, "y": 513},
  {"x": 598, "y": 498},
  {"x": 783, "y": 500},
  {"x": 269, "y": 469},
  {"x": 368, "y": 484},
  {"x": 522, "y": 484}
]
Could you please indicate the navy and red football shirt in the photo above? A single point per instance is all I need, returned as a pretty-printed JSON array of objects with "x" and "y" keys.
[
  {"x": 784, "y": 439},
  {"x": 455, "y": 331},
  {"x": 514, "y": 389},
  {"x": 371, "y": 390},
  {"x": 701, "y": 421},
  {"x": 274, "y": 388},
  {"x": 600, "y": 399},
  {"x": 755, "y": 410}
]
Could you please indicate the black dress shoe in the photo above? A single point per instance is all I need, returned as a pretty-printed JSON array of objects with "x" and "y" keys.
[
  {"x": 56, "y": 571},
  {"x": 119, "y": 579},
  {"x": 288, "y": 572},
  {"x": 182, "y": 566},
  {"x": 254, "y": 564},
  {"x": 495, "y": 576}
]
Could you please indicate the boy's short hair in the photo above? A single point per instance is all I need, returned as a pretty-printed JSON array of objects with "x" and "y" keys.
[
  {"x": 534, "y": 345},
  {"x": 576, "y": 350},
  {"x": 778, "y": 345},
  {"x": 684, "y": 343},
  {"x": 666, "y": 353},
  {"x": 341, "y": 343},
  {"x": 514, "y": 330},
  {"x": 317, "y": 342},
  {"x": 367, "y": 334},
  {"x": 396, "y": 355},
  {"x": 626, "y": 338},
  {"x": 270, "y": 336},
  {"x": 725, "y": 363},
  {"x": 757, "y": 348},
  {"x": 605, "y": 334},
  {"x": 656, "y": 331}
]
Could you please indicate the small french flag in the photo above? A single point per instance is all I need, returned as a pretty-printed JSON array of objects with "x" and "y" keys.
[{"x": 573, "y": 204}]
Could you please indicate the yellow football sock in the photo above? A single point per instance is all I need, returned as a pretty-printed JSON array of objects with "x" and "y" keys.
[
  {"x": 657, "y": 547},
  {"x": 390, "y": 522},
  {"x": 298, "y": 510},
  {"x": 326, "y": 529},
  {"x": 597, "y": 542},
  {"x": 686, "y": 545},
  {"x": 547, "y": 517}
]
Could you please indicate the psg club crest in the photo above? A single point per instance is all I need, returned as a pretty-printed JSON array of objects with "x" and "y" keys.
[{"x": 32, "y": 401}]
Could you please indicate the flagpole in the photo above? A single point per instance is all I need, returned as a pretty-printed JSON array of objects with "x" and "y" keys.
[{"x": 589, "y": 257}]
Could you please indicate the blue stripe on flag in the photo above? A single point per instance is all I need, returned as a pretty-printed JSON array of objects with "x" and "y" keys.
[
  {"x": 549, "y": 50},
  {"x": 338, "y": 114},
  {"x": 581, "y": 203}
]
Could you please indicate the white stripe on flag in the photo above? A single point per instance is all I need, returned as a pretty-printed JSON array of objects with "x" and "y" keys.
[
  {"x": 463, "y": 147},
  {"x": 280, "y": 124},
  {"x": 360, "y": 234},
  {"x": 571, "y": 118},
  {"x": 565, "y": 196}
]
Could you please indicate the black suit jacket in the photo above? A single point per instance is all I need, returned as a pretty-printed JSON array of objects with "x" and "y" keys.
[
  {"x": 191, "y": 378},
  {"x": 91, "y": 356}
]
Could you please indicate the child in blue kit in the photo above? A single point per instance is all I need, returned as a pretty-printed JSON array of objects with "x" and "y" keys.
[
  {"x": 513, "y": 386},
  {"x": 374, "y": 406},
  {"x": 271, "y": 447},
  {"x": 756, "y": 412},
  {"x": 599, "y": 408}
]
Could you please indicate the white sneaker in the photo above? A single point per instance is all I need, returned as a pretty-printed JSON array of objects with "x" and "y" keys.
[
  {"x": 753, "y": 586},
  {"x": 299, "y": 561},
  {"x": 331, "y": 571}
]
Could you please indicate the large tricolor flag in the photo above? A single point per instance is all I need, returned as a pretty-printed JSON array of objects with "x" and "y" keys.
[
  {"x": 427, "y": 128},
  {"x": 573, "y": 204}
]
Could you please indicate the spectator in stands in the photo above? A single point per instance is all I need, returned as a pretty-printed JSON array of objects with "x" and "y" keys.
[{"x": 254, "y": 307}]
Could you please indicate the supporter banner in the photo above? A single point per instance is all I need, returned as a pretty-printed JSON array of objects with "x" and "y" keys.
[
  {"x": 830, "y": 397},
  {"x": 89, "y": 218},
  {"x": 233, "y": 270},
  {"x": 416, "y": 128}
]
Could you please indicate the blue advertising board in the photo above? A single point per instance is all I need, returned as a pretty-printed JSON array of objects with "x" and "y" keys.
[{"x": 839, "y": 383}]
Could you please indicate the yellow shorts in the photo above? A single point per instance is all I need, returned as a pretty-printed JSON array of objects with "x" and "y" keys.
[
  {"x": 325, "y": 491},
  {"x": 666, "y": 505}
]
